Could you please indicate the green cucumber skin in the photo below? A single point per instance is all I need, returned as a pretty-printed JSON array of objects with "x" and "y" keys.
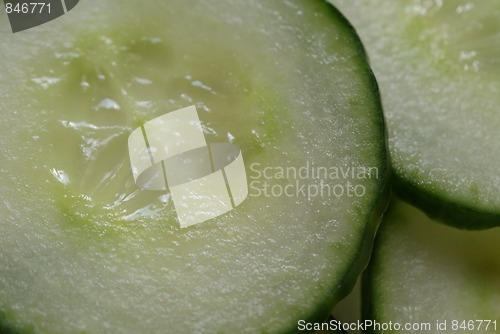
[
  {"x": 368, "y": 298},
  {"x": 7, "y": 328},
  {"x": 371, "y": 308},
  {"x": 379, "y": 206},
  {"x": 368, "y": 311},
  {"x": 444, "y": 210},
  {"x": 437, "y": 201}
]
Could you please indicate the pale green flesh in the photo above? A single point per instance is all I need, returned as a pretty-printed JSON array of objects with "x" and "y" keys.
[
  {"x": 437, "y": 63},
  {"x": 83, "y": 251},
  {"x": 422, "y": 272}
]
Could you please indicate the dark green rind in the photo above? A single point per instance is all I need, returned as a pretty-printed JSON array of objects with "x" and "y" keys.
[
  {"x": 368, "y": 307},
  {"x": 440, "y": 207},
  {"x": 367, "y": 311},
  {"x": 369, "y": 296},
  {"x": 379, "y": 207},
  {"x": 7, "y": 326},
  {"x": 433, "y": 199}
]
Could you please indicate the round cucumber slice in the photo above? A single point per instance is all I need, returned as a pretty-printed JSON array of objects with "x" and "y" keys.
[
  {"x": 432, "y": 276},
  {"x": 84, "y": 251},
  {"x": 437, "y": 63}
]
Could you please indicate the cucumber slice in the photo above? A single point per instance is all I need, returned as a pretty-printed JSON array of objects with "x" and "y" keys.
[
  {"x": 423, "y": 273},
  {"x": 83, "y": 251},
  {"x": 437, "y": 63}
]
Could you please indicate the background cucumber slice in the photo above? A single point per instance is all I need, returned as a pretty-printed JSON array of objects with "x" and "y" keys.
[
  {"x": 437, "y": 63},
  {"x": 422, "y": 272},
  {"x": 82, "y": 251}
]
